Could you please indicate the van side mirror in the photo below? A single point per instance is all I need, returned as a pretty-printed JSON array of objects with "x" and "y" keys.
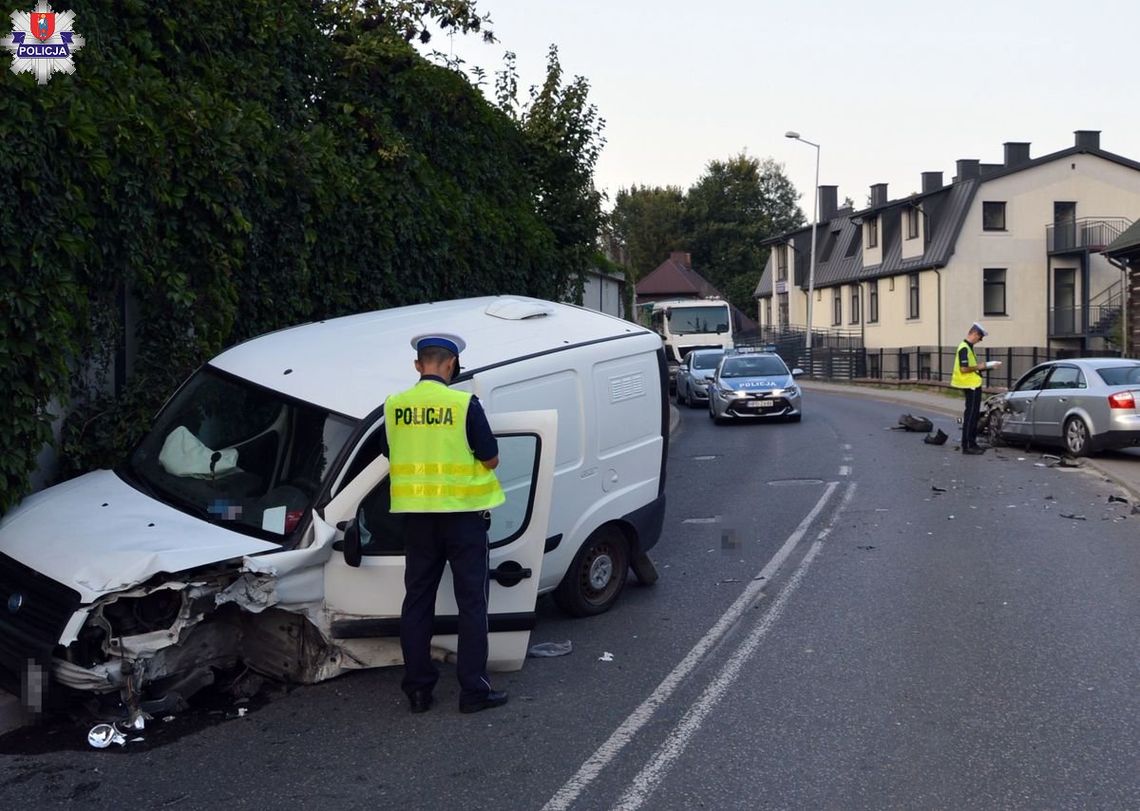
[
  {"x": 352, "y": 547},
  {"x": 797, "y": 372}
]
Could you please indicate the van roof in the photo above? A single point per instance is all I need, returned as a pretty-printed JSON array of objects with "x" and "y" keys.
[{"x": 350, "y": 364}]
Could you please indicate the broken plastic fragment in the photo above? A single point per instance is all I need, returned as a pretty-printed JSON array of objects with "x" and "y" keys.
[
  {"x": 543, "y": 650},
  {"x": 606, "y": 657},
  {"x": 1073, "y": 516},
  {"x": 103, "y": 735}
]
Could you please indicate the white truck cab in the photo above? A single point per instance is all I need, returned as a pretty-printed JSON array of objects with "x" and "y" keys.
[
  {"x": 251, "y": 523},
  {"x": 688, "y": 324}
]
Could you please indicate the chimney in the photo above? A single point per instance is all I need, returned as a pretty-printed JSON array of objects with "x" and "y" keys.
[
  {"x": 1087, "y": 139},
  {"x": 931, "y": 181},
  {"x": 990, "y": 168},
  {"x": 683, "y": 257},
  {"x": 968, "y": 169},
  {"x": 1016, "y": 153},
  {"x": 878, "y": 194},
  {"x": 828, "y": 202}
]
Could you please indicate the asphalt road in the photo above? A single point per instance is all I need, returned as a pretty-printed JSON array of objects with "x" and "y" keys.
[{"x": 829, "y": 631}]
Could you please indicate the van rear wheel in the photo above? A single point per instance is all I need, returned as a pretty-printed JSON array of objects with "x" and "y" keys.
[{"x": 596, "y": 576}]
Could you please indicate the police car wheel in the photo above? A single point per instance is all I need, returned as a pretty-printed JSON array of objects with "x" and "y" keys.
[{"x": 596, "y": 576}]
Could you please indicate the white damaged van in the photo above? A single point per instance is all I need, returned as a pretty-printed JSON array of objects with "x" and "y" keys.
[{"x": 251, "y": 524}]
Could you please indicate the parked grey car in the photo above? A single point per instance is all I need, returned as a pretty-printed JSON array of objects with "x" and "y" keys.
[
  {"x": 756, "y": 385},
  {"x": 1084, "y": 405},
  {"x": 694, "y": 374}
]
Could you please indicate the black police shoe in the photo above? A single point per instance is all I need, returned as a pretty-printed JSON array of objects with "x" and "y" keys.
[
  {"x": 421, "y": 700},
  {"x": 494, "y": 698},
  {"x": 974, "y": 451}
]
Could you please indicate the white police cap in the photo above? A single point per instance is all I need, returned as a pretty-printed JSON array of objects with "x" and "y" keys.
[
  {"x": 979, "y": 329},
  {"x": 452, "y": 343}
]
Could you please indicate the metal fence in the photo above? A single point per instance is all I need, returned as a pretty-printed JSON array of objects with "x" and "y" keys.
[{"x": 933, "y": 364}]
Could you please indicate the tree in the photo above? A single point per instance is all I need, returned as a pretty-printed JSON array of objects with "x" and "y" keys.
[
  {"x": 734, "y": 206},
  {"x": 648, "y": 222},
  {"x": 230, "y": 168},
  {"x": 564, "y": 138}
]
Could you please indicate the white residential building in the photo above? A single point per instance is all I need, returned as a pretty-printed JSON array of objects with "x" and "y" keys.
[{"x": 1015, "y": 245}]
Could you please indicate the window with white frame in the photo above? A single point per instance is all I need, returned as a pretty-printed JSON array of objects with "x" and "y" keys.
[
  {"x": 912, "y": 298},
  {"x": 993, "y": 291},
  {"x": 872, "y": 226},
  {"x": 781, "y": 262},
  {"x": 856, "y": 308},
  {"x": 873, "y": 301},
  {"x": 837, "y": 306}
]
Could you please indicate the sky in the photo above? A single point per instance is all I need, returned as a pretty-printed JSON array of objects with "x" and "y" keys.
[{"x": 888, "y": 89}]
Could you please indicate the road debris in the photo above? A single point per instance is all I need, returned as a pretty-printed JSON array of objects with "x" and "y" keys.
[
  {"x": 545, "y": 650},
  {"x": 937, "y": 489},
  {"x": 920, "y": 425},
  {"x": 1117, "y": 500},
  {"x": 936, "y": 439},
  {"x": 103, "y": 735},
  {"x": 606, "y": 657},
  {"x": 1073, "y": 516}
]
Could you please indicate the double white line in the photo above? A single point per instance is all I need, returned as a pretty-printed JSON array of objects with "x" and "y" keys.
[{"x": 647, "y": 779}]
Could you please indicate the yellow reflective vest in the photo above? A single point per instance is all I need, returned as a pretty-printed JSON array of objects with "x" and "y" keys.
[
  {"x": 965, "y": 380},
  {"x": 432, "y": 467}
]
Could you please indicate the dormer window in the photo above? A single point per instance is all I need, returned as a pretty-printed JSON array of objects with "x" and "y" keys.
[
  {"x": 782, "y": 263},
  {"x": 872, "y": 227},
  {"x": 912, "y": 222}
]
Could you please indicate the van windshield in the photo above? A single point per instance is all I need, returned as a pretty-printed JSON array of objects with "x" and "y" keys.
[
  {"x": 235, "y": 453},
  {"x": 693, "y": 320}
]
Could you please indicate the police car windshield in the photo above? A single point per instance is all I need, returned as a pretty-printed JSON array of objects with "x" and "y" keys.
[
  {"x": 238, "y": 454},
  {"x": 753, "y": 366}
]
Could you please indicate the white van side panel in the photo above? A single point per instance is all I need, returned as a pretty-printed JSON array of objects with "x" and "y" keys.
[
  {"x": 608, "y": 397},
  {"x": 561, "y": 390}
]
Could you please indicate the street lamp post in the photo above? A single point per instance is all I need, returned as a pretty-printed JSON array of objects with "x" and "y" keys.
[{"x": 814, "y": 216}]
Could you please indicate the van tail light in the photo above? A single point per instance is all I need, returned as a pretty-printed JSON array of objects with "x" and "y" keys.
[{"x": 1121, "y": 399}]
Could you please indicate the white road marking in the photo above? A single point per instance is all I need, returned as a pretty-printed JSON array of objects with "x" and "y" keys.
[
  {"x": 700, "y": 520},
  {"x": 589, "y": 771},
  {"x": 845, "y": 470},
  {"x": 846, "y": 447},
  {"x": 647, "y": 780}
]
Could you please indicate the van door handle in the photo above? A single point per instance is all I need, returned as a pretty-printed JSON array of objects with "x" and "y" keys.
[{"x": 509, "y": 573}]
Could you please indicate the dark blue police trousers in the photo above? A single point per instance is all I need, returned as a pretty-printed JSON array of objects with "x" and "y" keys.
[{"x": 433, "y": 539}]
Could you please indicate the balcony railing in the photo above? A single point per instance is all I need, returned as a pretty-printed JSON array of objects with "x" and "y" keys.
[
  {"x": 1073, "y": 322},
  {"x": 1087, "y": 233}
]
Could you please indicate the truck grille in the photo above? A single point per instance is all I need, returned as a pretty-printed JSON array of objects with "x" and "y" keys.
[{"x": 33, "y": 612}]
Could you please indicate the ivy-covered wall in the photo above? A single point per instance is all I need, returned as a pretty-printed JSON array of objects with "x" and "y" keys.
[{"x": 236, "y": 167}]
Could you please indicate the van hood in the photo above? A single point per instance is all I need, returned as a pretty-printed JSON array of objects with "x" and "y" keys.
[{"x": 97, "y": 534}]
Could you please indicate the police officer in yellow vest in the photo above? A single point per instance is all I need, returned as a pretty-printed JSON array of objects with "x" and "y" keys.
[
  {"x": 966, "y": 376},
  {"x": 442, "y": 455}
]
